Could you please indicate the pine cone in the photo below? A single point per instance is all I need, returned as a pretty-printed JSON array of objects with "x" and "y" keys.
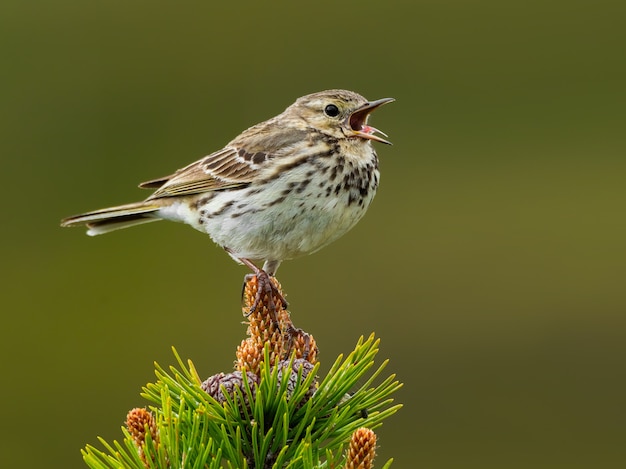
[
  {"x": 299, "y": 363},
  {"x": 216, "y": 385}
]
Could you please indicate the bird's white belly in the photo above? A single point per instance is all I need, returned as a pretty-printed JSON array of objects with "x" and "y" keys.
[
  {"x": 253, "y": 227},
  {"x": 292, "y": 228}
]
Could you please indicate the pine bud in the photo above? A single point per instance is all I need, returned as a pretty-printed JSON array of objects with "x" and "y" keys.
[
  {"x": 362, "y": 450},
  {"x": 139, "y": 421}
]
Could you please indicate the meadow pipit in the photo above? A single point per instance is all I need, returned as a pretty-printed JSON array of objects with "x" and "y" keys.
[{"x": 283, "y": 188}]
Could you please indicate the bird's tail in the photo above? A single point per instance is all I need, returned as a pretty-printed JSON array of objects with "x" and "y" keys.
[{"x": 114, "y": 218}]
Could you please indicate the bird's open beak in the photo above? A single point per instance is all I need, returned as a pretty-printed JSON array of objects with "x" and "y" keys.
[{"x": 357, "y": 121}]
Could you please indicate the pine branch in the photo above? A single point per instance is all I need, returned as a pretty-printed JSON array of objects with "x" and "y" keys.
[{"x": 271, "y": 412}]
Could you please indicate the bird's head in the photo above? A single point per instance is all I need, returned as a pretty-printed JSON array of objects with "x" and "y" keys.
[{"x": 339, "y": 114}]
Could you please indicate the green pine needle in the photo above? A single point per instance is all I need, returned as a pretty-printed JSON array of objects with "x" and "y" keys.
[{"x": 279, "y": 428}]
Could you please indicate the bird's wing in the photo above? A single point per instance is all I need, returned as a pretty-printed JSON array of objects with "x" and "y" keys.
[
  {"x": 220, "y": 170},
  {"x": 235, "y": 165}
]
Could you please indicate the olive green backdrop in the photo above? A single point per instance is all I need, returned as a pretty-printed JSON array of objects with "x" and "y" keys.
[{"x": 492, "y": 263}]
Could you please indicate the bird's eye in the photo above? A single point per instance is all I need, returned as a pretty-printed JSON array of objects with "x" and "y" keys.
[{"x": 331, "y": 110}]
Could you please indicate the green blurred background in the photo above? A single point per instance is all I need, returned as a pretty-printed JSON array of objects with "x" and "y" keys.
[{"x": 492, "y": 262}]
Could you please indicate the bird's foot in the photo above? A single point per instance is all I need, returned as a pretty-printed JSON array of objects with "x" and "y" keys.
[
  {"x": 266, "y": 293},
  {"x": 298, "y": 339}
]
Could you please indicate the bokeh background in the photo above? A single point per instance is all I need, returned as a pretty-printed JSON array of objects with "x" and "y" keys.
[{"x": 492, "y": 263}]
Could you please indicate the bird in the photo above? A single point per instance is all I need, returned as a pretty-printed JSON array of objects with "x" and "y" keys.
[{"x": 282, "y": 189}]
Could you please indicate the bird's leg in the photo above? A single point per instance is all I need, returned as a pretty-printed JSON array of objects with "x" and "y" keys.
[
  {"x": 265, "y": 286},
  {"x": 270, "y": 267}
]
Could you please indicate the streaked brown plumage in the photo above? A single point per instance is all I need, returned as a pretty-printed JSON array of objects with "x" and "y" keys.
[{"x": 283, "y": 188}]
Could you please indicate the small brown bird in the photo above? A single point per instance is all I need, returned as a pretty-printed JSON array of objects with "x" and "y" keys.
[{"x": 283, "y": 188}]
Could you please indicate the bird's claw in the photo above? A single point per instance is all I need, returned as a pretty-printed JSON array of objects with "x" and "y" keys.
[{"x": 265, "y": 288}]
